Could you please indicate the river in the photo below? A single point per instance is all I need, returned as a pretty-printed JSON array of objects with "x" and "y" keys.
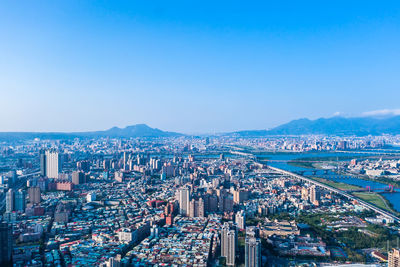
[{"x": 280, "y": 160}]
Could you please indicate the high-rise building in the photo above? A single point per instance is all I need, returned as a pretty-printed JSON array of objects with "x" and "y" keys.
[
  {"x": 184, "y": 200},
  {"x": 252, "y": 231},
  {"x": 231, "y": 255},
  {"x": 394, "y": 258},
  {"x": 10, "y": 200},
  {"x": 78, "y": 177},
  {"x": 314, "y": 195},
  {"x": 224, "y": 240},
  {"x": 252, "y": 252},
  {"x": 225, "y": 201},
  {"x": 20, "y": 200},
  {"x": 126, "y": 159},
  {"x": 91, "y": 197},
  {"x": 34, "y": 195},
  {"x": 201, "y": 209},
  {"x": 304, "y": 193},
  {"x": 83, "y": 165},
  {"x": 229, "y": 243},
  {"x": 196, "y": 208},
  {"x": 113, "y": 262},
  {"x": 42, "y": 158},
  {"x": 6, "y": 243},
  {"x": 53, "y": 163},
  {"x": 240, "y": 195},
  {"x": 240, "y": 219}
]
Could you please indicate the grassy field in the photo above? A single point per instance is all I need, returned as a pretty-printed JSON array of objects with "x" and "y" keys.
[
  {"x": 341, "y": 186},
  {"x": 374, "y": 199}
]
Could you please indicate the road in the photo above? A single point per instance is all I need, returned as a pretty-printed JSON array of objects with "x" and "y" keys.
[{"x": 337, "y": 191}]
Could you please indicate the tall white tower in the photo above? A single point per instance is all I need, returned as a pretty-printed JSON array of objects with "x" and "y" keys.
[{"x": 53, "y": 163}]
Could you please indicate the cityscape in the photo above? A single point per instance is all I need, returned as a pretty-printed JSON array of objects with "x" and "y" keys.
[
  {"x": 200, "y": 201},
  {"x": 199, "y": 133}
]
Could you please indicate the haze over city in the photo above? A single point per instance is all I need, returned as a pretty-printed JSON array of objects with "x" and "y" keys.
[{"x": 194, "y": 67}]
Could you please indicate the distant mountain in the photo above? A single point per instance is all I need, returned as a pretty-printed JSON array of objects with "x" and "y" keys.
[
  {"x": 326, "y": 126},
  {"x": 333, "y": 126},
  {"x": 138, "y": 130}
]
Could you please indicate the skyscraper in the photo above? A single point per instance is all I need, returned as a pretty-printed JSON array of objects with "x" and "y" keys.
[
  {"x": 19, "y": 200},
  {"x": 78, "y": 177},
  {"x": 42, "y": 158},
  {"x": 125, "y": 160},
  {"x": 224, "y": 240},
  {"x": 231, "y": 255},
  {"x": 10, "y": 200},
  {"x": 252, "y": 252},
  {"x": 314, "y": 195},
  {"x": 184, "y": 201},
  {"x": 229, "y": 243},
  {"x": 304, "y": 193},
  {"x": 196, "y": 208},
  {"x": 34, "y": 195},
  {"x": 5, "y": 243},
  {"x": 53, "y": 163},
  {"x": 240, "y": 219},
  {"x": 394, "y": 258}
]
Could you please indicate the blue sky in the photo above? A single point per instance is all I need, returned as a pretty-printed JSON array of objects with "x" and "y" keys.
[{"x": 206, "y": 66}]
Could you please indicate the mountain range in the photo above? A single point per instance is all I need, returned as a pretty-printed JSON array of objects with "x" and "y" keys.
[
  {"x": 138, "y": 130},
  {"x": 340, "y": 126},
  {"x": 333, "y": 126}
]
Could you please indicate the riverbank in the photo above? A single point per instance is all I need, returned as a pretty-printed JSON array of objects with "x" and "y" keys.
[
  {"x": 379, "y": 179},
  {"x": 337, "y": 185},
  {"x": 329, "y": 163},
  {"x": 295, "y": 162},
  {"x": 370, "y": 197},
  {"x": 375, "y": 199}
]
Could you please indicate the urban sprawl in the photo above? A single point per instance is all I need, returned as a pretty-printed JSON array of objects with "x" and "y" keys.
[{"x": 196, "y": 201}]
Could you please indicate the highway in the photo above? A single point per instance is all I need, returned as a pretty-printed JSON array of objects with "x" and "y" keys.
[
  {"x": 327, "y": 187},
  {"x": 337, "y": 191}
]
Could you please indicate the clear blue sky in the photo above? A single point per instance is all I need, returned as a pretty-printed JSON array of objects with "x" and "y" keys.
[{"x": 206, "y": 66}]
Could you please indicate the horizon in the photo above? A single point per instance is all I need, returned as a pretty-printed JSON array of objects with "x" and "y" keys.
[
  {"x": 378, "y": 115},
  {"x": 182, "y": 67}
]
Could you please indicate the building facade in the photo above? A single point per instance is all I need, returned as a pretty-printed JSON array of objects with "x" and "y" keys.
[
  {"x": 53, "y": 163},
  {"x": 394, "y": 258},
  {"x": 252, "y": 252},
  {"x": 6, "y": 243},
  {"x": 184, "y": 201}
]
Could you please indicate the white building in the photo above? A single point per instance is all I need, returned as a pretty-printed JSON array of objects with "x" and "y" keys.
[
  {"x": 91, "y": 197},
  {"x": 53, "y": 163},
  {"x": 240, "y": 219},
  {"x": 10, "y": 200},
  {"x": 127, "y": 235}
]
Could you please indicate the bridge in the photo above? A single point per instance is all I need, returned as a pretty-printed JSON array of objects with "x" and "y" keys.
[
  {"x": 313, "y": 172},
  {"x": 339, "y": 192},
  {"x": 249, "y": 155}
]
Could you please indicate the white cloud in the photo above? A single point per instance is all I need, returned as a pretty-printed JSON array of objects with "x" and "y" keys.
[
  {"x": 382, "y": 112},
  {"x": 337, "y": 113}
]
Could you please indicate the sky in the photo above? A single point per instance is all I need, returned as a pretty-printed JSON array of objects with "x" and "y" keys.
[{"x": 195, "y": 66}]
